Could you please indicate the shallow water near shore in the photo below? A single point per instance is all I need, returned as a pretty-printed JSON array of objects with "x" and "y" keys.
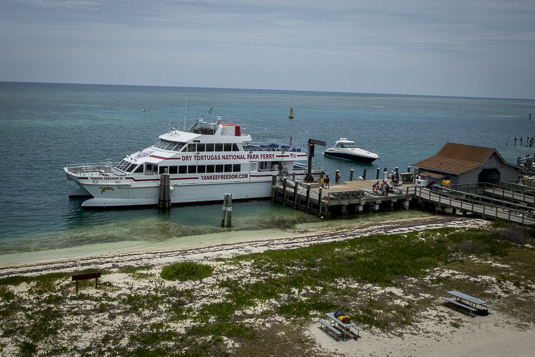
[{"x": 251, "y": 221}]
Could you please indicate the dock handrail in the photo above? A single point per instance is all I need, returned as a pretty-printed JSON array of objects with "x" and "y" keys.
[{"x": 477, "y": 204}]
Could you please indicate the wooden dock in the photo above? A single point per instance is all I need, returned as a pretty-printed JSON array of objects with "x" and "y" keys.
[
  {"x": 504, "y": 202},
  {"x": 340, "y": 198}
]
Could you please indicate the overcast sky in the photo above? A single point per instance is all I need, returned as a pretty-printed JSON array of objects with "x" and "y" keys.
[{"x": 428, "y": 47}]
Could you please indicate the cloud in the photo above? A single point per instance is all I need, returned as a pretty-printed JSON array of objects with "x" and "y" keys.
[{"x": 412, "y": 46}]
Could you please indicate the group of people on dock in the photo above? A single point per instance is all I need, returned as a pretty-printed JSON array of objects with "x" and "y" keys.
[{"x": 381, "y": 189}]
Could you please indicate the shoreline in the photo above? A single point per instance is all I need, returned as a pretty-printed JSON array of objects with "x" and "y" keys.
[
  {"x": 130, "y": 301},
  {"x": 159, "y": 258}
]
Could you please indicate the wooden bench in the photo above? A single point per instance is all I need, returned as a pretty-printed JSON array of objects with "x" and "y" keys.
[
  {"x": 331, "y": 329},
  {"x": 461, "y": 305},
  {"x": 86, "y": 277}
]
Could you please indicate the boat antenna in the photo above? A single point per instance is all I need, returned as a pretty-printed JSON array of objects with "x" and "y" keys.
[{"x": 185, "y": 107}]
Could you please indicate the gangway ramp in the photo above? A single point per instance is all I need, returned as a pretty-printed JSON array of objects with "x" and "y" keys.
[{"x": 485, "y": 206}]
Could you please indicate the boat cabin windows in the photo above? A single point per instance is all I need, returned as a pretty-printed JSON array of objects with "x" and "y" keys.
[
  {"x": 198, "y": 147},
  {"x": 201, "y": 169},
  {"x": 123, "y": 165},
  {"x": 129, "y": 167},
  {"x": 169, "y": 145},
  {"x": 345, "y": 145},
  {"x": 150, "y": 168}
]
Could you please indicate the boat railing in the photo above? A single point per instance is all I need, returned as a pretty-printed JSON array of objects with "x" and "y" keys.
[
  {"x": 86, "y": 168},
  {"x": 271, "y": 147}
]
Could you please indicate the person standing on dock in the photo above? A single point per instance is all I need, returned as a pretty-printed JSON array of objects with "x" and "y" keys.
[
  {"x": 326, "y": 181},
  {"x": 338, "y": 177}
]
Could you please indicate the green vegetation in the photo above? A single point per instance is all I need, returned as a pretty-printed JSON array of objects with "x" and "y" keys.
[
  {"x": 247, "y": 295},
  {"x": 186, "y": 271}
]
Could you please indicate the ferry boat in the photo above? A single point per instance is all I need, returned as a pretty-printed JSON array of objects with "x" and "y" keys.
[
  {"x": 345, "y": 149},
  {"x": 204, "y": 162}
]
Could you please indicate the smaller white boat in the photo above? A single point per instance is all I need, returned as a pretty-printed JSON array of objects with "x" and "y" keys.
[{"x": 346, "y": 150}]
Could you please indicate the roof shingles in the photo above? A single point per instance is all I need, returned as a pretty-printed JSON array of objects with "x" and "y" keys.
[{"x": 457, "y": 158}]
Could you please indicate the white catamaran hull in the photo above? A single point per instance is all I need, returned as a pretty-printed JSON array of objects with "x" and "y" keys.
[{"x": 143, "y": 196}]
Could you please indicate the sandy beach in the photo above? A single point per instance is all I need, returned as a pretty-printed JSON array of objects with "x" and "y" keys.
[
  {"x": 439, "y": 330},
  {"x": 159, "y": 258}
]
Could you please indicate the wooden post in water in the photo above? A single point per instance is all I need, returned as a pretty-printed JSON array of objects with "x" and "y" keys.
[
  {"x": 165, "y": 194},
  {"x": 229, "y": 210},
  {"x": 351, "y": 175},
  {"x": 408, "y": 169},
  {"x": 273, "y": 187},
  {"x": 308, "y": 197},
  {"x": 378, "y": 171},
  {"x": 320, "y": 201},
  {"x": 364, "y": 175},
  {"x": 296, "y": 189},
  {"x": 224, "y": 210},
  {"x": 284, "y": 192}
]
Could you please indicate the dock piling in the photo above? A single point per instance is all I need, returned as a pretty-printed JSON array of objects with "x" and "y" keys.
[
  {"x": 320, "y": 201},
  {"x": 308, "y": 197},
  {"x": 224, "y": 210},
  {"x": 229, "y": 210},
  {"x": 165, "y": 192},
  {"x": 296, "y": 194},
  {"x": 273, "y": 187},
  {"x": 364, "y": 175},
  {"x": 378, "y": 171},
  {"x": 284, "y": 192}
]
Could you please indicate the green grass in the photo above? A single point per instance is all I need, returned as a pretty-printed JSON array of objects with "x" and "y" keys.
[
  {"x": 186, "y": 271},
  {"x": 299, "y": 285}
]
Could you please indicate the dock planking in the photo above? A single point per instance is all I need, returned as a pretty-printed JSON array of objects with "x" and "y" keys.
[{"x": 343, "y": 196}]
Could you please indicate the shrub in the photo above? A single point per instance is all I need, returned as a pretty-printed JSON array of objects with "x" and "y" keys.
[{"x": 186, "y": 271}]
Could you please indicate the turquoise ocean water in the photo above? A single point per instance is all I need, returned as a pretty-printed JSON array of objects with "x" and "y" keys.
[{"x": 43, "y": 127}]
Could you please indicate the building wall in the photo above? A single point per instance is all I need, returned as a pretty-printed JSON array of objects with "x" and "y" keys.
[{"x": 507, "y": 172}]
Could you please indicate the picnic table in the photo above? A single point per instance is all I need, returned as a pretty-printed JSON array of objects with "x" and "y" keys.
[
  {"x": 468, "y": 302},
  {"x": 344, "y": 327}
]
